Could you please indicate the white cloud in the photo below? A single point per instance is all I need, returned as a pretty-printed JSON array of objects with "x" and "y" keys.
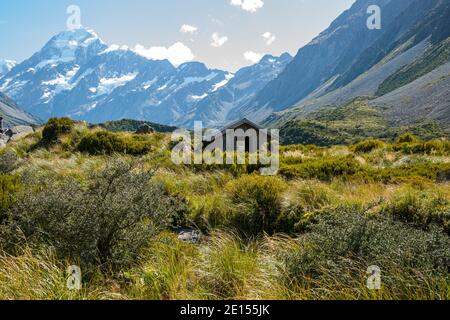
[
  {"x": 269, "y": 38},
  {"x": 115, "y": 47},
  {"x": 248, "y": 5},
  {"x": 177, "y": 54},
  {"x": 186, "y": 28},
  {"x": 253, "y": 57},
  {"x": 217, "y": 40}
]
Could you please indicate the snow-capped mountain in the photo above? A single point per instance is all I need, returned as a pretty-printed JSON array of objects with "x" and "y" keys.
[
  {"x": 37, "y": 82},
  {"x": 160, "y": 93},
  {"x": 6, "y": 66}
]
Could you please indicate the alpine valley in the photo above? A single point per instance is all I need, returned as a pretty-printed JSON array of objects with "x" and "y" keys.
[{"x": 394, "y": 77}]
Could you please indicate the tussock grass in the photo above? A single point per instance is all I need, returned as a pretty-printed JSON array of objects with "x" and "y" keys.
[
  {"x": 309, "y": 233},
  {"x": 40, "y": 276}
]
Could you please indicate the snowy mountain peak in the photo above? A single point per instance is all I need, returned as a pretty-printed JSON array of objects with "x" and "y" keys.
[
  {"x": 75, "y": 38},
  {"x": 6, "y": 66},
  {"x": 76, "y": 74},
  {"x": 69, "y": 47}
]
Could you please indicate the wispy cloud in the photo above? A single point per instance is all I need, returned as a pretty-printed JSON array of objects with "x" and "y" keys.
[
  {"x": 186, "y": 28},
  {"x": 248, "y": 5},
  {"x": 269, "y": 38},
  {"x": 217, "y": 40}
]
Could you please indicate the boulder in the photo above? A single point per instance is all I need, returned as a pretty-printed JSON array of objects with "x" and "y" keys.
[
  {"x": 188, "y": 235},
  {"x": 19, "y": 132},
  {"x": 13, "y": 134}
]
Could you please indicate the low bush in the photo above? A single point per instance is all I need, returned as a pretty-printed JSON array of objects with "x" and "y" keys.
[
  {"x": 106, "y": 220},
  {"x": 433, "y": 147},
  {"x": 420, "y": 208},
  {"x": 9, "y": 161},
  {"x": 407, "y": 138},
  {"x": 303, "y": 203},
  {"x": 56, "y": 127},
  {"x": 256, "y": 202},
  {"x": 431, "y": 171},
  {"x": 368, "y": 146},
  {"x": 333, "y": 258},
  {"x": 9, "y": 186},
  {"x": 209, "y": 212}
]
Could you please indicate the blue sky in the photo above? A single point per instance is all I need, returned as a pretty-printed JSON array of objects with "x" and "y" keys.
[{"x": 238, "y": 26}]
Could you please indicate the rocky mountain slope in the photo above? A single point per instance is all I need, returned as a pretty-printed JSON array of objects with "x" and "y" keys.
[
  {"x": 404, "y": 73},
  {"x": 224, "y": 105},
  {"x": 14, "y": 115},
  {"x": 326, "y": 74}
]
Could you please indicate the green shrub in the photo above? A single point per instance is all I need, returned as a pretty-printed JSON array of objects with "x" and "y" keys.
[
  {"x": 368, "y": 146},
  {"x": 322, "y": 169},
  {"x": 106, "y": 220},
  {"x": 256, "y": 203},
  {"x": 333, "y": 258},
  {"x": 421, "y": 208},
  {"x": 436, "y": 147},
  {"x": 105, "y": 142},
  {"x": 56, "y": 127},
  {"x": 431, "y": 171},
  {"x": 407, "y": 138}
]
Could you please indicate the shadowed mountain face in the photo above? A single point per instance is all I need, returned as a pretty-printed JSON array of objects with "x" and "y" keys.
[
  {"x": 404, "y": 73},
  {"x": 224, "y": 106},
  {"x": 329, "y": 55},
  {"x": 349, "y": 60},
  {"x": 12, "y": 114}
]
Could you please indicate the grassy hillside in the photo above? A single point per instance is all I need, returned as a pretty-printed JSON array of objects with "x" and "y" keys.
[
  {"x": 435, "y": 57},
  {"x": 74, "y": 195},
  {"x": 351, "y": 123}
]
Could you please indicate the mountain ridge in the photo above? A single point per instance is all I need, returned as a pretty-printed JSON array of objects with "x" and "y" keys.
[
  {"x": 76, "y": 74},
  {"x": 405, "y": 76},
  {"x": 13, "y": 114}
]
